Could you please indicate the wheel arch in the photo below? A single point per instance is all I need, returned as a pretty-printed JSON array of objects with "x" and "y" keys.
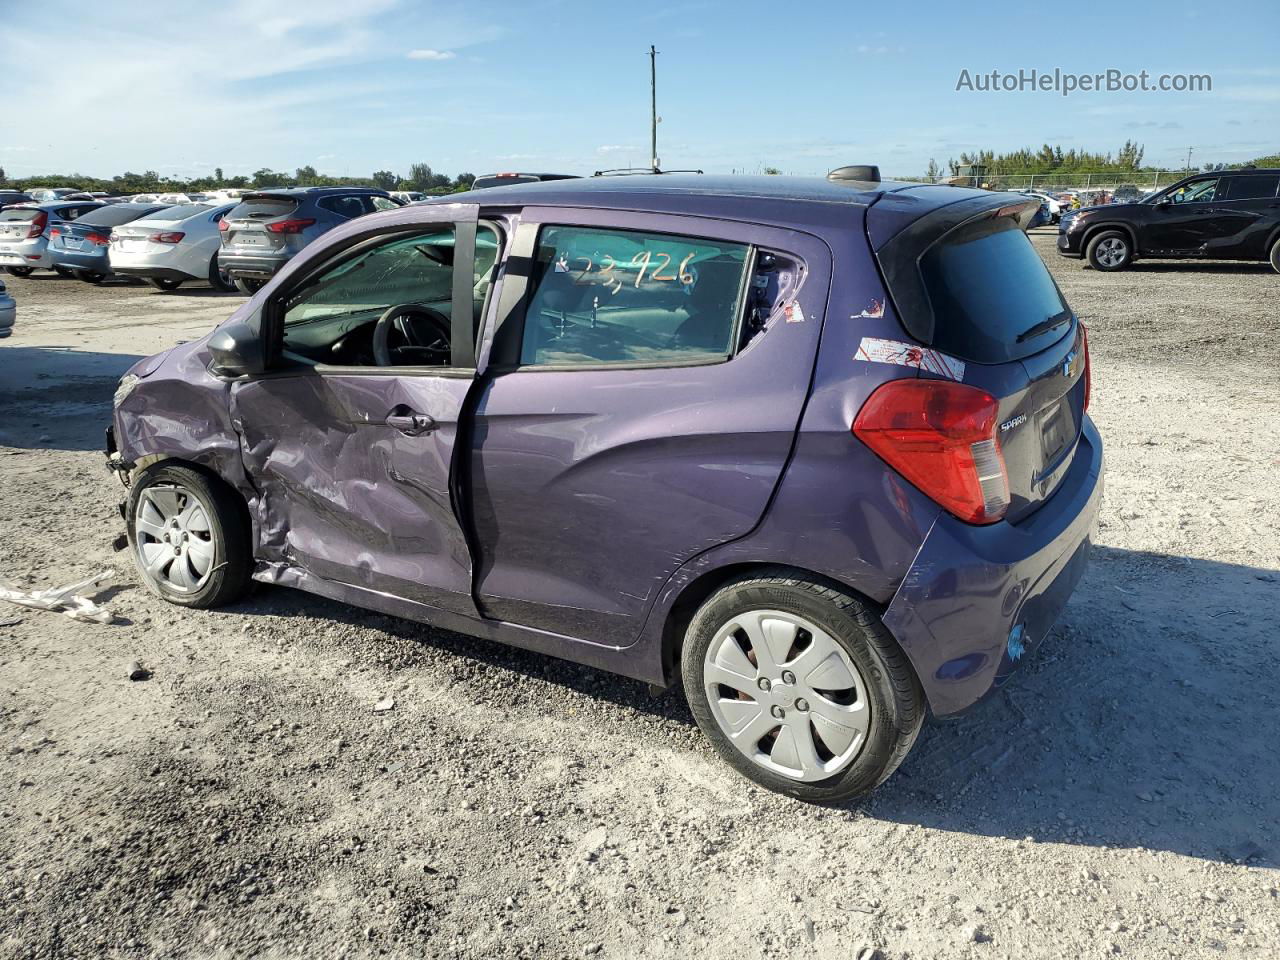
[
  {"x": 143, "y": 464},
  {"x": 697, "y": 591},
  {"x": 1093, "y": 230}
]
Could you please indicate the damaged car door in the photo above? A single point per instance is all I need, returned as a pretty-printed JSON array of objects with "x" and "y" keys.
[{"x": 350, "y": 436}]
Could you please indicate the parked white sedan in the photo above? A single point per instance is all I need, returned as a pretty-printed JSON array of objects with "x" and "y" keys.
[{"x": 171, "y": 246}]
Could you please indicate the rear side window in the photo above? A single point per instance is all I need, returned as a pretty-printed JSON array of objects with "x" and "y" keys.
[
  {"x": 263, "y": 208},
  {"x": 623, "y": 297},
  {"x": 991, "y": 294},
  {"x": 348, "y": 207},
  {"x": 1252, "y": 188}
]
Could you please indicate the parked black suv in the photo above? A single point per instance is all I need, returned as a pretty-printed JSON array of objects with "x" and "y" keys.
[{"x": 1229, "y": 215}]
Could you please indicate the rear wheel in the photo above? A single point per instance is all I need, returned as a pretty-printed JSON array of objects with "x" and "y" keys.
[
  {"x": 164, "y": 283},
  {"x": 189, "y": 536},
  {"x": 800, "y": 687},
  {"x": 219, "y": 279},
  {"x": 1109, "y": 250},
  {"x": 1275, "y": 255},
  {"x": 249, "y": 286},
  {"x": 20, "y": 271},
  {"x": 89, "y": 276},
  {"x": 64, "y": 272}
]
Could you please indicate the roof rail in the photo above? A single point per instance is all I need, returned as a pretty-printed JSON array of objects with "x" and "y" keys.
[{"x": 636, "y": 171}]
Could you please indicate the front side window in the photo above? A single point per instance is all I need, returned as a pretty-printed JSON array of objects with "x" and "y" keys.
[
  {"x": 1199, "y": 191},
  {"x": 344, "y": 316},
  {"x": 602, "y": 296}
]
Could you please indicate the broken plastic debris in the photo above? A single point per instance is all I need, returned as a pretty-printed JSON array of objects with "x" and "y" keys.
[
  {"x": 382, "y": 706},
  {"x": 10, "y": 621},
  {"x": 73, "y": 599}
]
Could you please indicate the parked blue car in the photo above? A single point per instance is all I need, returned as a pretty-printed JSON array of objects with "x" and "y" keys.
[
  {"x": 81, "y": 246},
  {"x": 816, "y": 450}
]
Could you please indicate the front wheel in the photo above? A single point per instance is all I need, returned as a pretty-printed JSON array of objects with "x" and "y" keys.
[
  {"x": 190, "y": 537},
  {"x": 248, "y": 286},
  {"x": 800, "y": 687},
  {"x": 163, "y": 283},
  {"x": 1109, "y": 251},
  {"x": 20, "y": 271},
  {"x": 89, "y": 276},
  {"x": 1275, "y": 256}
]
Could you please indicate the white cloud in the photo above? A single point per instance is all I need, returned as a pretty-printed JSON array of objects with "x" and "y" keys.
[
  {"x": 1252, "y": 93},
  {"x": 616, "y": 148},
  {"x": 428, "y": 54}
]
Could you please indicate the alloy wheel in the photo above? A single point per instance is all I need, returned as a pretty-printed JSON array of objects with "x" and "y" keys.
[
  {"x": 174, "y": 538},
  {"x": 1112, "y": 252},
  {"x": 786, "y": 694}
]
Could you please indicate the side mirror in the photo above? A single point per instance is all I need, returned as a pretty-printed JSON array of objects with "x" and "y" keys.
[
  {"x": 1164, "y": 202},
  {"x": 237, "y": 351}
]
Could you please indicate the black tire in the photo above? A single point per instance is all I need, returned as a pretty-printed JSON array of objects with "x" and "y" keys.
[
  {"x": 164, "y": 283},
  {"x": 89, "y": 276},
  {"x": 1109, "y": 251},
  {"x": 1275, "y": 255},
  {"x": 895, "y": 697},
  {"x": 249, "y": 286},
  {"x": 19, "y": 271},
  {"x": 219, "y": 280},
  {"x": 66, "y": 272},
  {"x": 229, "y": 578}
]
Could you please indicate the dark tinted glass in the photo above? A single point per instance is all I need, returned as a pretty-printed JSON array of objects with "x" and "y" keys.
[
  {"x": 180, "y": 212},
  {"x": 264, "y": 208},
  {"x": 117, "y": 214},
  {"x": 480, "y": 183},
  {"x": 1253, "y": 188},
  {"x": 619, "y": 296},
  {"x": 988, "y": 287}
]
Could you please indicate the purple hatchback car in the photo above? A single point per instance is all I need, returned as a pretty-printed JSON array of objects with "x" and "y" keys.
[{"x": 817, "y": 449}]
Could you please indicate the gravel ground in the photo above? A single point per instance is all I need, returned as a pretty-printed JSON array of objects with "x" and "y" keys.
[{"x": 247, "y": 800}]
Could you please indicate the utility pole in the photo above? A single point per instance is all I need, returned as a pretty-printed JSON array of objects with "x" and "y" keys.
[
  {"x": 1188, "y": 159},
  {"x": 653, "y": 108}
]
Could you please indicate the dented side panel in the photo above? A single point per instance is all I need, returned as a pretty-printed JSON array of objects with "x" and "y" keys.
[{"x": 349, "y": 498}]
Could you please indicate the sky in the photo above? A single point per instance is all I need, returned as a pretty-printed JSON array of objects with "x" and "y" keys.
[{"x": 353, "y": 86}]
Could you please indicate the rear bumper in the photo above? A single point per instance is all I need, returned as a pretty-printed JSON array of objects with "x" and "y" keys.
[
  {"x": 36, "y": 257},
  {"x": 162, "y": 273},
  {"x": 250, "y": 267},
  {"x": 977, "y": 601},
  {"x": 74, "y": 260}
]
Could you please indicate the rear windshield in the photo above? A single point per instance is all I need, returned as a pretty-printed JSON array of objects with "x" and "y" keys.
[
  {"x": 19, "y": 213},
  {"x": 263, "y": 208},
  {"x": 180, "y": 212},
  {"x": 992, "y": 297},
  {"x": 116, "y": 214}
]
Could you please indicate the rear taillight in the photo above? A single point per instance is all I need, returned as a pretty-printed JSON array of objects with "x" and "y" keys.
[
  {"x": 55, "y": 232},
  {"x": 1088, "y": 368},
  {"x": 223, "y": 226},
  {"x": 942, "y": 437},
  {"x": 37, "y": 225},
  {"x": 99, "y": 239},
  {"x": 290, "y": 226},
  {"x": 166, "y": 237}
]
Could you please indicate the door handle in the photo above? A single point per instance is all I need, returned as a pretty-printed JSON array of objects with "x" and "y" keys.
[{"x": 411, "y": 424}]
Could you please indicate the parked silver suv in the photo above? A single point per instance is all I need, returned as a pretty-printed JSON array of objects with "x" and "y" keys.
[{"x": 268, "y": 227}]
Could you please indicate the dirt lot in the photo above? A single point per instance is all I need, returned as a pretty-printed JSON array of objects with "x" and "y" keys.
[{"x": 1122, "y": 798}]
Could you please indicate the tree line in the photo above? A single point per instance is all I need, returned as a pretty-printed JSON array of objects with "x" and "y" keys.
[
  {"x": 421, "y": 178},
  {"x": 1051, "y": 160}
]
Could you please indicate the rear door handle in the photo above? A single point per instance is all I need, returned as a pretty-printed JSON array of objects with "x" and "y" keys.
[{"x": 411, "y": 424}]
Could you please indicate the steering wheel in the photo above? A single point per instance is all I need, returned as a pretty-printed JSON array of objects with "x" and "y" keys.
[{"x": 425, "y": 333}]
